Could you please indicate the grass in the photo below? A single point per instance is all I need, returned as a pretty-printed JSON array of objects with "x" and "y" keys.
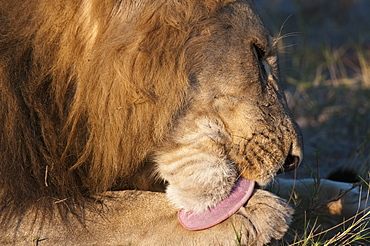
[
  {"x": 330, "y": 100},
  {"x": 325, "y": 68},
  {"x": 307, "y": 229}
]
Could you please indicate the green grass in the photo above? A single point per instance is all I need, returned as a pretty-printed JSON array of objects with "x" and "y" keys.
[
  {"x": 325, "y": 69},
  {"x": 307, "y": 230},
  {"x": 330, "y": 98}
]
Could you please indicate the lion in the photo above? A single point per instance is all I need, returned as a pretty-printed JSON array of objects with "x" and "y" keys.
[{"x": 118, "y": 115}]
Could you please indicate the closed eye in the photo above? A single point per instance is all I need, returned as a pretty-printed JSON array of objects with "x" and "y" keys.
[
  {"x": 258, "y": 52},
  {"x": 260, "y": 56}
]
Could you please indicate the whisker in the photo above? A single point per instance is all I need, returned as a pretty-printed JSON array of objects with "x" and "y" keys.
[
  {"x": 283, "y": 25},
  {"x": 268, "y": 153},
  {"x": 281, "y": 36}
]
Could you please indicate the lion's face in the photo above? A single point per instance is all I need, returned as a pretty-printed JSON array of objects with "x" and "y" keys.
[
  {"x": 237, "y": 82},
  {"x": 237, "y": 122}
]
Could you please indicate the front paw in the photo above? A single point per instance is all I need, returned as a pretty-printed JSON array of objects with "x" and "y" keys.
[{"x": 264, "y": 217}]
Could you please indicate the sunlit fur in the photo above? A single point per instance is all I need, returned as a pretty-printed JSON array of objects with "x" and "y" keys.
[
  {"x": 100, "y": 95},
  {"x": 88, "y": 88},
  {"x": 197, "y": 166}
]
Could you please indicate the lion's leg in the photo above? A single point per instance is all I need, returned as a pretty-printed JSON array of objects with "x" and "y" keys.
[
  {"x": 196, "y": 165},
  {"x": 125, "y": 218},
  {"x": 146, "y": 218}
]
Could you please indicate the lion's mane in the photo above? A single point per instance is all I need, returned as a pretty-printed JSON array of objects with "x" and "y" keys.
[{"x": 88, "y": 88}]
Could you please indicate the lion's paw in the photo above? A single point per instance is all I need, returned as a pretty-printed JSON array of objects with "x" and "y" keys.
[{"x": 264, "y": 217}]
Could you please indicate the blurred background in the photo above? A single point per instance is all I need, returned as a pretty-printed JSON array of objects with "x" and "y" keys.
[{"x": 324, "y": 51}]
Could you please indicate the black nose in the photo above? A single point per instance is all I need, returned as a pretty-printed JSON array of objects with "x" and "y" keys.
[{"x": 291, "y": 163}]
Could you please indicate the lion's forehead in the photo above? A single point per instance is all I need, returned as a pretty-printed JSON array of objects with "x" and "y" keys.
[{"x": 244, "y": 20}]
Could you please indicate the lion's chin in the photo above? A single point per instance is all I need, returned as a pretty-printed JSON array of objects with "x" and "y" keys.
[{"x": 261, "y": 179}]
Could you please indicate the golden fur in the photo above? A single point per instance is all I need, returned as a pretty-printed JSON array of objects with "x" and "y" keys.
[
  {"x": 93, "y": 92},
  {"x": 81, "y": 107}
]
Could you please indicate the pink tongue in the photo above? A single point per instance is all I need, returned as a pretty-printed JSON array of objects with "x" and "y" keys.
[{"x": 239, "y": 195}]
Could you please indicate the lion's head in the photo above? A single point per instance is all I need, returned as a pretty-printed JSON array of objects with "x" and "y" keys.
[
  {"x": 236, "y": 121},
  {"x": 92, "y": 93},
  {"x": 233, "y": 67}
]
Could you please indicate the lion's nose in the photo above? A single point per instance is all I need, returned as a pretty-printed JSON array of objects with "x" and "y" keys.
[{"x": 291, "y": 163}]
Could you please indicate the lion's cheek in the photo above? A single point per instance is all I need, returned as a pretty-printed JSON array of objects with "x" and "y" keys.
[
  {"x": 262, "y": 177},
  {"x": 261, "y": 155}
]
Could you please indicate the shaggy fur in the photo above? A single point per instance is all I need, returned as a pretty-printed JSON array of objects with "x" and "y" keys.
[
  {"x": 81, "y": 112},
  {"x": 93, "y": 92}
]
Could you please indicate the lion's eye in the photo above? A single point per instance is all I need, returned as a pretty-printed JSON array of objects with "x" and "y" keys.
[
  {"x": 258, "y": 52},
  {"x": 260, "y": 56}
]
